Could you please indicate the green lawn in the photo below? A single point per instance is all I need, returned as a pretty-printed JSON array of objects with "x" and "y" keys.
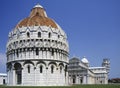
[{"x": 74, "y": 86}]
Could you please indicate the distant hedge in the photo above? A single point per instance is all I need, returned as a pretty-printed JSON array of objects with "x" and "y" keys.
[{"x": 114, "y": 80}]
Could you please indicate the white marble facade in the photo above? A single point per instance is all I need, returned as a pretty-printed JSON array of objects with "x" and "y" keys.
[
  {"x": 80, "y": 72},
  {"x": 37, "y": 54},
  {"x": 3, "y": 78}
]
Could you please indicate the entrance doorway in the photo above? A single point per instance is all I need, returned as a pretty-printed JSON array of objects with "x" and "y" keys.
[
  {"x": 81, "y": 80},
  {"x": 18, "y": 73},
  {"x": 74, "y": 79},
  {"x": 3, "y": 81}
]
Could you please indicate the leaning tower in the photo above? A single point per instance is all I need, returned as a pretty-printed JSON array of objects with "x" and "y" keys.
[
  {"x": 37, "y": 52},
  {"x": 106, "y": 63}
]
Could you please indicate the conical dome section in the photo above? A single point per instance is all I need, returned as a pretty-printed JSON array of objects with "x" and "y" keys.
[
  {"x": 38, "y": 17},
  {"x": 38, "y": 10}
]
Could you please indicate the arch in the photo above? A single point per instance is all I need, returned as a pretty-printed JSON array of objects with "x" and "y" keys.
[
  {"x": 61, "y": 69},
  {"x": 28, "y": 68},
  {"x": 39, "y": 34},
  {"x": 17, "y": 53},
  {"x": 17, "y": 66},
  {"x": 52, "y": 52},
  {"x": 9, "y": 66},
  {"x": 74, "y": 79},
  {"x": 66, "y": 67},
  {"x": 61, "y": 64},
  {"x": 28, "y": 34},
  {"x": 28, "y": 62},
  {"x": 40, "y": 62},
  {"x": 37, "y": 51},
  {"x": 41, "y": 68},
  {"x": 54, "y": 63},
  {"x": 52, "y": 69},
  {"x": 49, "y": 35},
  {"x": 18, "y": 73}
]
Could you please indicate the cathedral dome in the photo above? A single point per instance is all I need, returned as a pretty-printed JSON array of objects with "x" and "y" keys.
[
  {"x": 38, "y": 17},
  {"x": 84, "y": 60}
]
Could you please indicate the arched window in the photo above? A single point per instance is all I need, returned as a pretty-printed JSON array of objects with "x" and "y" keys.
[
  {"x": 58, "y": 36},
  {"x": 37, "y": 51},
  {"x": 65, "y": 67},
  {"x": 41, "y": 68},
  {"x": 28, "y": 68},
  {"x": 39, "y": 34},
  {"x": 65, "y": 70},
  {"x": 17, "y": 54},
  {"x": 52, "y": 69},
  {"x": 18, "y": 73},
  {"x": 60, "y": 69},
  {"x": 49, "y": 35},
  {"x": 28, "y": 34},
  {"x": 52, "y": 52}
]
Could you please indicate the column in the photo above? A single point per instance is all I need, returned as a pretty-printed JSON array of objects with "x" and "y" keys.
[
  {"x": 44, "y": 54},
  {"x": 55, "y": 54},
  {"x": 13, "y": 78},
  {"x": 8, "y": 73},
  {"x": 84, "y": 79},
  {"x": 22, "y": 73},
  {"x": 33, "y": 53},
  {"x": 40, "y": 54},
  {"x": 78, "y": 80},
  {"x": 58, "y": 55},
  {"x": 15, "y": 55},
  {"x": 22, "y": 53},
  {"x": 48, "y": 54},
  {"x": 25, "y": 53},
  {"x": 18, "y": 54},
  {"x": 30, "y": 53},
  {"x": 35, "y": 77}
]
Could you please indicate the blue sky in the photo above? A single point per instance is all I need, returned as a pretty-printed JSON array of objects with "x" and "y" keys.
[{"x": 92, "y": 27}]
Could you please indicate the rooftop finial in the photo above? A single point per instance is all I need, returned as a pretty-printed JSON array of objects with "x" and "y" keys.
[{"x": 37, "y": 5}]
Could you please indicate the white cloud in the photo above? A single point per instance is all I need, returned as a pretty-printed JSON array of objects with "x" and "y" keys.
[{"x": 3, "y": 60}]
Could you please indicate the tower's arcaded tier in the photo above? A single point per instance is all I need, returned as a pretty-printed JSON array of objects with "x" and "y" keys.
[{"x": 37, "y": 52}]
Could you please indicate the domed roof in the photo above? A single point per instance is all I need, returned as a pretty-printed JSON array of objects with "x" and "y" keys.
[
  {"x": 38, "y": 17},
  {"x": 84, "y": 60}
]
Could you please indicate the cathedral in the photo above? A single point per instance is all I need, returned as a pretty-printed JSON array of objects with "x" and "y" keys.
[
  {"x": 38, "y": 55},
  {"x": 80, "y": 72}
]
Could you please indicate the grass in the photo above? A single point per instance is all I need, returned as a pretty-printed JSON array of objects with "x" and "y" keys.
[{"x": 74, "y": 86}]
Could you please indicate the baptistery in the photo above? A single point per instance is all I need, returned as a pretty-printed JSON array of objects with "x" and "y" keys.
[{"x": 37, "y": 52}]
